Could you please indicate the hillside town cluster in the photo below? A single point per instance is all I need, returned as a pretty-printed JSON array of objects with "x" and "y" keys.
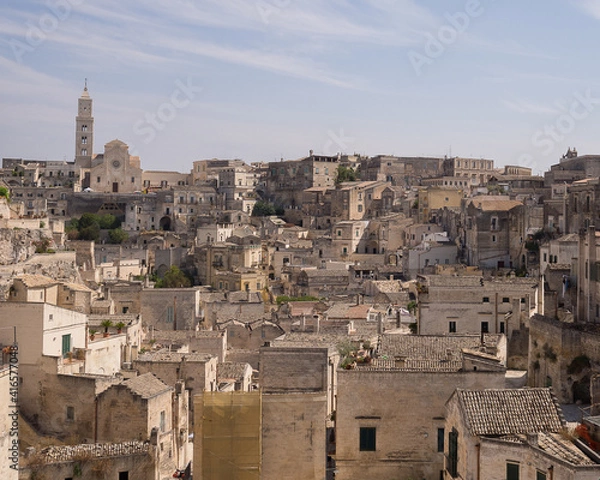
[{"x": 328, "y": 317}]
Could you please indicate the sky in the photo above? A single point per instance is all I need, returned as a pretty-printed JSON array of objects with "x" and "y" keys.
[{"x": 186, "y": 80}]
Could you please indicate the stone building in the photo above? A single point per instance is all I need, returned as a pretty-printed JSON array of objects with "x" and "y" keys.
[
  {"x": 171, "y": 308},
  {"x": 510, "y": 434},
  {"x": 286, "y": 180},
  {"x": 197, "y": 370},
  {"x": 563, "y": 356},
  {"x": 432, "y": 199},
  {"x": 134, "y": 460},
  {"x": 477, "y": 170},
  {"x": 400, "y": 171},
  {"x": 572, "y": 167},
  {"x": 355, "y": 200},
  {"x": 474, "y": 304},
  {"x": 396, "y": 436},
  {"x": 144, "y": 408},
  {"x": 495, "y": 231},
  {"x": 115, "y": 171}
]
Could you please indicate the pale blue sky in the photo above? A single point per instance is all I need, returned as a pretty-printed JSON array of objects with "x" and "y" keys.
[{"x": 183, "y": 80}]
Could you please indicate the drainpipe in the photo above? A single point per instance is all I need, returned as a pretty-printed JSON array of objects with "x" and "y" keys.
[
  {"x": 478, "y": 447},
  {"x": 96, "y": 420}
]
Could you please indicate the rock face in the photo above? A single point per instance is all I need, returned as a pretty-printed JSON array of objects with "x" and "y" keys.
[
  {"x": 18, "y": 245},
  {"x": 18, "y": 256}
]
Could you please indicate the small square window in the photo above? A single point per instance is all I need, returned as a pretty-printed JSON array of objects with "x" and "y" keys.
[
  {"x": 505, "y": 300},
  {"x": 486, "y": 299},
  {"x": 368, "y": 439}
]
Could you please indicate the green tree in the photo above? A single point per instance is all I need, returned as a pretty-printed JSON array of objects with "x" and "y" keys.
[
  {"x": 174, "y": 278},
  {"x": 91, "y": 232},
  {"x": 345, "y": 174},
  {"x": 118, "y": 235},
  {"x": 87, "y": 220},
  {"x": 263, "y": 209},
  {"x": 5, "y": 192},
  {"x": 108, "y": 221}
]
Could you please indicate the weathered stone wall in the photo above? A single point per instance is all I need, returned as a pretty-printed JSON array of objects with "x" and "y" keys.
[
  {"x": 407, "y": 411},
  {"x": 124, "y": 416},
  {"x": 553, "y": 346},
  {"x": 44, "y": 398},
  {"x": 85, "y": 463},
  {"x": 170, "y": 308},
  {"x": 293, "y": 369},
  {"x": 293, "y": 436}
]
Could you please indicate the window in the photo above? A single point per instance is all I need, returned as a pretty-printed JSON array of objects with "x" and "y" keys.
[
  {"x": 452, "y": 460},
  {"x": 368, "y": 439},
  {"x": 494, "y": 238},
  {"x": 512, "y": 471},
  {"x": 97, "y": 179},
  {"x": 163, "y": 421},
  {"x": 71, "y": 413},
  {"x": 124, "y": 475},
  {"x": 452, "y": 327},
  {"x": 132, "y": 179},
  {"x": 505, "y": 300},
  {"x": 485, "y": 327},
  {"x": 83, "y": 140},
  {"x": 84, "y": 128},
  {"x": 486, "y": 299},
  {"x": 440, "y": 439},
  {"x": 339, "y": 233},
  {"x": 360, "y": 208},
  {"x": 540, "y": 475},
  {"x": 170, "y": 315},
  {"x": 502, "y": 327}
]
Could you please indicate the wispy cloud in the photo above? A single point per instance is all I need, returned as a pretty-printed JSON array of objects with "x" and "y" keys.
[
  {"x": 591, "y": 7},
  {"x": 523, "y": 106}
]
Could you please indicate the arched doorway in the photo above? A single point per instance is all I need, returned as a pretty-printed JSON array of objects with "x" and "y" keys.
[{"x": 165, "y": 223}]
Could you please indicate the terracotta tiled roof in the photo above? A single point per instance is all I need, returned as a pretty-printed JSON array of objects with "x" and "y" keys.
[
  {"x": 174, "y": 357},
  {"x": 231, "y": 371},
  {"x": 34, "y": 281},
  {"x": 432, "y": 348},
  {"x": 146, "y": 385},
  {"x": 511, "y": 411},
  {"x": 494, "y": 203}
]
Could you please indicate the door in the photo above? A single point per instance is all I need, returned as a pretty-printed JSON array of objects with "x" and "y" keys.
[
  {"x": 66, "y": 344},
  {"x": 115, "y": 187}
]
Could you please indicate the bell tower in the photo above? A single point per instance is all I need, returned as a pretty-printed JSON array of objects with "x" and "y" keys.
[{"x": 84, "y": 131}]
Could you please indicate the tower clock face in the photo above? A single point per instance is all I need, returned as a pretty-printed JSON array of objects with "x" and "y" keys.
[{"x": 116, "y": 164}]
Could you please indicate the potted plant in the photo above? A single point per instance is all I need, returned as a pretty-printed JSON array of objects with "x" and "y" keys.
[
  {"x": 106, "y": 324},
  {"x": 120, "y": 326},
  {"x": 93, "y": 334}
]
